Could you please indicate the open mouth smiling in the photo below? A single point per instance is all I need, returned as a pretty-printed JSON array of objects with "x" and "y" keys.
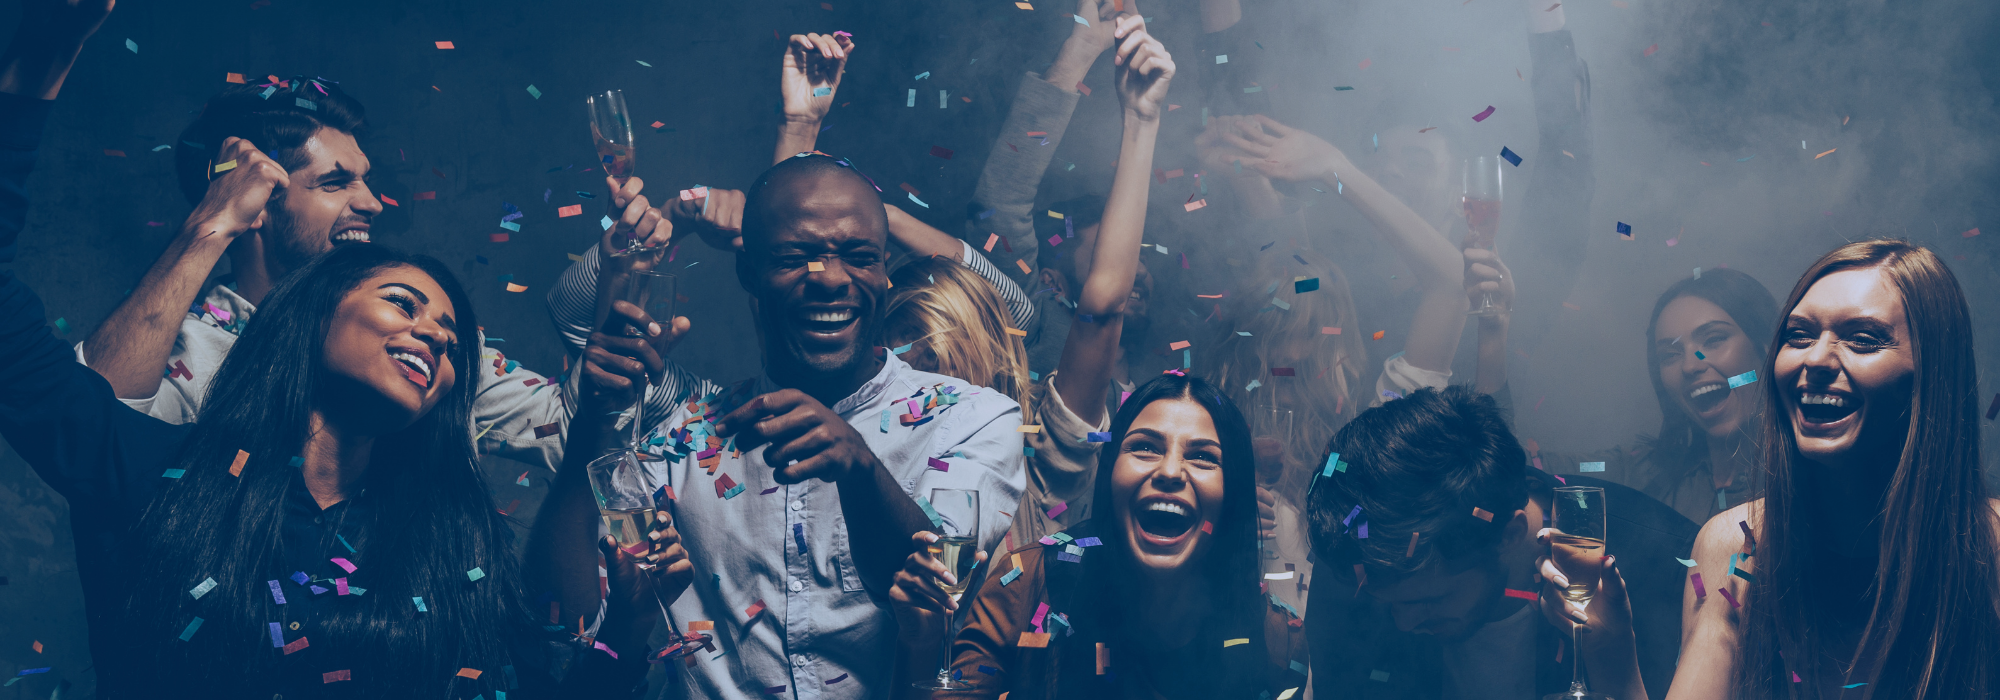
[
  {"x": 1706, "y": 398},
  {"x": 351, "y": 235},
  {"x": 825, "y": 321},
  {"x": 1164, "y": 521},
  {"x": 1824, "y": 409},
  {"x": 417, "y": 365}
]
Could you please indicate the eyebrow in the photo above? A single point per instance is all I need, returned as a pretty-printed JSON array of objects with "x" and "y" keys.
[
  {"x": 339, "y": 171},
  {"x": 1155, "y": 434},
  {"x": 445, "y": 319}
]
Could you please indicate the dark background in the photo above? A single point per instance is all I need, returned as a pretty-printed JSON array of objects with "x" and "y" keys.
[{"x": 1730, "y": 79}]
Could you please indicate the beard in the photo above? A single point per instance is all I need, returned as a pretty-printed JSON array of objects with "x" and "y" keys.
[{"x": 285, "y": 241}]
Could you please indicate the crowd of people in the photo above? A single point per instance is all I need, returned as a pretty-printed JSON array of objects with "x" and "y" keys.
[{"x": 1814, "y": 521}]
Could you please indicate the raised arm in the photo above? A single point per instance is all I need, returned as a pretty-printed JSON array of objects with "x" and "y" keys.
[
  {"x": 46, "y": 44},
  {"x": 1085, "y": 369},
  {"x": 131, "y": 346},
  {"x": 1285, "y": 153},
  {"x": 1554, "y": 222},
  {"x": 1014, "y": 168},
  {"x": 923, "y": 240},
  {"x": 811, "y": 80}
]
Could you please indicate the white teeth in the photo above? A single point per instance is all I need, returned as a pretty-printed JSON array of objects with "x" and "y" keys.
[
  {"x": 1167, "y": 507},
  {"x": 1822, "y": 400},
  {"x": 1705, "y": 389},
  {"x": 351, "y": 235},
  {"x": 413, "y": 361},
  {"x": 831, "y": 316}
]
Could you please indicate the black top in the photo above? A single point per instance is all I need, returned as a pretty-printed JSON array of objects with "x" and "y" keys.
[
  {"x": 108, "y": 461},
  {"x": 1353, "y": 638}
]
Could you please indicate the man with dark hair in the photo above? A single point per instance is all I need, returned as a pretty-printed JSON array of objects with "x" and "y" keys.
[
  {"x": 1425, "y": 525},
  {"x": 801, "y": 537},
  {"x": 276, "y": 177}
]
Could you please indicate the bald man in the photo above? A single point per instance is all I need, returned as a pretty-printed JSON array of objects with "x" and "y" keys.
[{"x": 797, "y": 492}]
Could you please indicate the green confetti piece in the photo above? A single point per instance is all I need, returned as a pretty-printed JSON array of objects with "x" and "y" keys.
[
  {"x": 188, "y": 633},
  {"x": 203, "y": 589},
  {"x": 532, "y": 90},
  {"x": 174, "y": 473},
  {"x": 643, "y": 63},
  {"x": 930, "y": 512},
  {"x": 1689, "y": 563},
  {"x": 476, "y": 573},
  {"x": 62, "y": 326},
  {"x": 134, "y": 46}
]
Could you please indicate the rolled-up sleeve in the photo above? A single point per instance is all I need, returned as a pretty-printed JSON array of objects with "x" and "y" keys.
[{"x": 1014, "y": 171}]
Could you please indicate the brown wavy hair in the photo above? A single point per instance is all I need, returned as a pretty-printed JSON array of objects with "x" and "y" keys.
[
  {"x": 939, "y": 306},
  {"x": 1934, "y": 626}
]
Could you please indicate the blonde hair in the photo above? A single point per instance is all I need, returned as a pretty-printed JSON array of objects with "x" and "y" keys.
[
  {"x": 1325, "y": 372},
  {"x": 941, "y": 307}
]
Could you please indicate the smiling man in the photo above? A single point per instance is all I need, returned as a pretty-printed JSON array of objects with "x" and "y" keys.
[
  {"x": 277, "y": 178},
  {"x": 1443, "y": 616},
  {"x": 797, "y": 492}
]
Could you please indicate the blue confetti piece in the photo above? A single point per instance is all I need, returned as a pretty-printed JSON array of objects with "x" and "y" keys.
[
  {"x": 1089, "y": 542},
  {"x": 511, "y": 226},
  {"x": 1333, "y": 464},
  {"x": 174, "y": 473},
  {"x": 1029, "y": 451},
  {"x": 132, "y": 45},
  {"x": 475, "y": 574},
  {"x": 1066, "y": 556},
  {"x": 1624, "y": 229},
  {"x": 303, "y": 102},
  {"x": 1303, "y": 286},
  {"x": 277, "y": 636},
  {"x": 419, "y": 600},
  {"x": 1097, "y": 437},
  {"x": 885, "y": 420},
  {"x": 537, "y": 93},
  {"x": 1740, "y": 160},
  {"x": 989, "y": 670},
  {"x": 1342, "y": 88},
  {"x": 1379, "y": 676},
  {"x": 1079, "y": 20},
  {"x": 1590, "y": 467},
  {"x": 929, "y": 511},
  {"x": 188, "y": 633},
  {"x": 921, "y": 76},
  {"x": 733, "y": 492},
  {"x": 1010, "y": 576},
  {"x": 1742, "y": 379},
  {"x": 299, "y": 577},
  {"x": 822, "y": 91},
  {"x": 919, "y": 202},
  {"x": 1511, "y": 157},
  {"x": 277, "y": 592}
]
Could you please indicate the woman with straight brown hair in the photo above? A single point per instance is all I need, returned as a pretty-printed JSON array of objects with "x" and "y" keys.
[{"x": 1868, "y": 568}]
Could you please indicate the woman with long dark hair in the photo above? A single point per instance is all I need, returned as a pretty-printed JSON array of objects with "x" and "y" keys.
[
  {"x": 322, "y": 528},
  {"x": 1157, "y": 593},
  {"x": 1868, "y": 569}
]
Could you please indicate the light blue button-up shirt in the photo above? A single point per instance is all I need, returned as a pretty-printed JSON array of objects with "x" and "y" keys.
[{"x": 819, "y": 635}]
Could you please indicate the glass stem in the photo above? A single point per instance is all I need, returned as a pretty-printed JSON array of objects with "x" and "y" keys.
[{"x": 1576, "y": 660}]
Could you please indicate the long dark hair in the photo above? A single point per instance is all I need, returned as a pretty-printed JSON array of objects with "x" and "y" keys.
[
  {"x": 1237, "y": 610},
  {"x": 433, "y": 520},
  {"x": 1934, "y": 627},
  {"x": 1681, "y": 444}
]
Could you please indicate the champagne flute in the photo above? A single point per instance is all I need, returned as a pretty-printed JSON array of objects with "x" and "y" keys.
[
  {"x": 654, "y": 292},
  {"x": 1482, "y": 214},
  {"x": 1577, "y": 548},
  {"x": 611, "y": 131},
  {"x": 957, "y": 547}
]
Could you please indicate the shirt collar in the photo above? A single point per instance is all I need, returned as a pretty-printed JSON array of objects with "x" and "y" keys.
[
  {"x": 221, "y": 298},
  {"x": 892, "y": 368}
]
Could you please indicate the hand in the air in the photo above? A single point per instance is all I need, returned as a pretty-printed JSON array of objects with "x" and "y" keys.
[
  {"x": 1147, "y": 68},
  {"x": 1485, "y": 274},
  {"x": 633, "y": 219},
  {"x": 1281, "y": 152},
  {"x": 813, "y": 63},
  {"x": 237, "y": 196},
  {"x": 716, "y": 218}
]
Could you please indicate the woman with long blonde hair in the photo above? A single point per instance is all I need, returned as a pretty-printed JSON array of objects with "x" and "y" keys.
[{"x": 944, "y": 317}]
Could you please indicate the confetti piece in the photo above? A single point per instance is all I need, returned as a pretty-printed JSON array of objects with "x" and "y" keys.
[
  {"x": 822, "y": 91},
  {"x": 842, "y": 677},
  {"x": 1481, "y": 514},
  {"x": 1085, "y": 89},
  {"x": 537, "y": 93},
  {"x": 188, "y": 633},
  {"x": 1016, "y": 331},
  {"x": 475, "y": 574},
  {"x": 236, "y": 467},
  {"x": 1511, "y": 157},
  {"x": 202, "y": 589},
  {"x": 1730, "y": 597},
  {"x": 1197, "y": 204},
  {"x": 1742, "y": 379},
  {"x": 1233, "y": 642},
  {"x": 1305, "y": 285},
  {"x": 568, "y": 211},
  {"x": 1378, "y": 334},
  {"x": 1969, "y": 234},
  {"x": 1024, "y": 6},
  {"x": 1650, "y": 50},
  {"x": 1480, "y": 117},
  {"x": 1178, "y": 345},
  {"x": 178, "y": 473},
  {"x": 419, "y": 600},
  {"x": 471, "y": 673},
  {"x": 1028, "y": 429},
  {"x": 224, "y": 167},
  {"x": 1823, "y": 155},
  {"x": 1587, "y": 467},
  {"x": 336, "y": 676},
  {"x": 1523, "y": 595},
  {"x": 132, "y": 45},
  {"x": 1033, "y": 640},
  {"x": 1207, "y": 528},
  {"x": 1221, "y": 59},
  {"x": 1379, "y": 676},
  {"x": 1057, "y": 510}
]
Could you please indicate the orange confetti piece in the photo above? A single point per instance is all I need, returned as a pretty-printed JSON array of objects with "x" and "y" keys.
[
  {"x": 1823, "y": 155},
  {"x": 1379, "y": 334},
  {"x": 1329, "y": 330},
  {"x": 386, "y": 199},
  {"x": 445, "y": 45},
  {"x": 234, "y": 78},
  {"x": 1017, "y": 331},
  {"x": 815, "y": 267},
  {"x": 1024, "y": 266},
  {"x": 701, "y": 625},
  {"x": 471, "y": 673},
  {"x": 1178, "y": 345},
  {"x": 38, "y": 646},
  {"x": 1481, "y": 514},
  {"x": 516, "y": 287},
  {"x": 571, "y": 210},
  {"x": 236, "y": 467},
  {"x": 1196, "y": 204},
  {"x": 1034, "y": 640}
]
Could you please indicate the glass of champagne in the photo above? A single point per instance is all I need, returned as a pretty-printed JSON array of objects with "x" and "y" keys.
[
  {"x": 611, "y": 130},
  {"x": 654, "y": 292},
  {"x": 1577, "y": 548},
  {"x": 957, "y": 547},
  {"x": 1482, "y": 214}
]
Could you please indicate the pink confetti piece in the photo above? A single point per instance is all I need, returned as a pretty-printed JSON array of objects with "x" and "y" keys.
[
  {"x": 344, "y": 564},
  {"x": 1480, "y": 117}
]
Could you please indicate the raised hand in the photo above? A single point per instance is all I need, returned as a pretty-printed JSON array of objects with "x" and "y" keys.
[
  {"x": 634, "y": 219},
  {"x": 1218, "y": 155},
  {"x": 1148, "y": 68},
  {"x": 918, "y": 600},
  {"x": 1103, "y": 16},
  {"x": 236, "y": 197},
  {"x": 807, "y": 440},
  {"x": 813, "y": 65},
  {"x": 616, "y": 366},
  {"x": 1486, "y": 274},
  {"x": 1281, "y": 152},
  {"x": 1609, "y": 617},
  {"x": 717, "y": 218}
]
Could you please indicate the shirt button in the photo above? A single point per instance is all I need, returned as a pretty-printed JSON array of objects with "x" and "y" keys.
[
  {"x": 796, "y": 585},
  {"x": 798, "y": 660},
  {"x": 798, "y": 505}
]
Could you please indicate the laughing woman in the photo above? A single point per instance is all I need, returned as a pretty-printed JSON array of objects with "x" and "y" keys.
[
  {"x": 1872, "y": 570},
  {"x": 1166, "y": 606},
  {"x": 321, "y": 530}
]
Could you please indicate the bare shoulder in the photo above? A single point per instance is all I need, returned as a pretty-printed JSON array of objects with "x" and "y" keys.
[{"x": 1725, "y": 530}]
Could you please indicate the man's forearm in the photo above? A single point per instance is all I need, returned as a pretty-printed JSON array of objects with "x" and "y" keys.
[
  {"x": 795, "y": 138},
  {"x": 1072, "y": 62},
  {"x": 880, "y": 519},
  {"x": 131, "y": 346}
]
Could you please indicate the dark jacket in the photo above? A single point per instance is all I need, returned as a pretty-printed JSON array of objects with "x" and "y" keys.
[{"x": 1355, "y": 641}]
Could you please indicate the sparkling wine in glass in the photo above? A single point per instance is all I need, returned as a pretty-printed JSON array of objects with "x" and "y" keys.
[
  {"x": 655, "y": 293},
  {"x": 611, "y": 132},
  {"x": 1482, "y": 214},
  {"x": 1577, "y": 548},
  {"x": 958, "y": 549}
]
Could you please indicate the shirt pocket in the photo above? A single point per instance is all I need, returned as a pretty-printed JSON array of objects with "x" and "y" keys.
[{"x": 841, "y": 559}]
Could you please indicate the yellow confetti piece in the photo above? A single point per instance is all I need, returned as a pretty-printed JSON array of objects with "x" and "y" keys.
[
  {"x": 236, "y": 467},
  {"x": 1053, "y": 214},
  {"x": 1227, "y": 643},
  {"x": 815, "y": 267},
  {"x": 1823, "y": 155},
  {"x": 1017, "y": 331},
  {"x": 1029, "y": 429},
  {"x": 701, "y": 625},
  {"x": 573, "y": 257},
  {"x": 1024, "y": 6},
  {"x": 225, "y": 167}
]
